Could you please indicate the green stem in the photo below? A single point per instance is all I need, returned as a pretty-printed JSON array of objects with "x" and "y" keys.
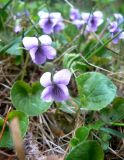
[{"x": 24, "y": 68}]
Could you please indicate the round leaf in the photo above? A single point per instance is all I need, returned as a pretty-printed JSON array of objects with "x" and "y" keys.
[
  {"x": 28, "y": 99},
  {"x": 88, "y": 150},
  {"x": 96, "y": 90}
]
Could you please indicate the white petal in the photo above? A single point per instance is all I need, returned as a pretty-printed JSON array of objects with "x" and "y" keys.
[
  {"x": 121, "y": 36},
  {"x": 43, "y": 14},
  {"x": 30, "y": 42},
  {"x": 85, "y": 16},
  {"x": 62, "y": 77},
  {"x": 98, "y": 14},
  {"x": 45, "y": 79},
  {"x": 45, "y": 40}
]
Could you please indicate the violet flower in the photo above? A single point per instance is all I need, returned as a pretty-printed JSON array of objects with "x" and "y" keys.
[
  {"x": 56, "y": 86},
  {"x": 78, "y": 23},
  {"x": 74, "y": 14},
  {"x": 93, "y": 21},
  {"x": 51, "y": 22},
  {"x": 40, "y": 49},
  {"x": 114, "y": 30},
  {"x": 17, "y": 29}
]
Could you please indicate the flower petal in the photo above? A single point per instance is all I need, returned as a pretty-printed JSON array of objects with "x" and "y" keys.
[
  {"x": 49, "y": 51},
  {"x": 60, "y": 93},
  {"x": 85, "y": 16},
  {"x": 98, "y": 14},
  {"x": 58, "y": 27},
  {"x": 121, "y": 35},
  {"x": 74, "y": 14},
  {"x": 55, "y": 17},
  {"x": 47, "y": 94},
  {"x": 45, "y": 79},
  {"x": 45, "y": 40},
  {"x": 43, "y": 14},
  {"x": 30, "y": 42},
  {"x": 37, "y": 56},
  {"x": 62, "y": 77}
]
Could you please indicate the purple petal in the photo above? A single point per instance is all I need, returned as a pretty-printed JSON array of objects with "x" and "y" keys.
[
  {"x": 62, "y": 77},
  {"x": 30, "y": 42},
  {"x": 17, "y": 29},
  {"x": 37, "y": 55},
  {"x": 74, "y": 14},
  {"x": 45, "y": 79},
  {"x": 47, "y": 94},
  {"x": 49, "y": 51},
  {"x": 60, "y": 93},
  {"x": 45, "y": 40},
  {"x": 113, "y": 26},
  {"x": 46, "y": 25},
  {"x": 58, "y": 27}
]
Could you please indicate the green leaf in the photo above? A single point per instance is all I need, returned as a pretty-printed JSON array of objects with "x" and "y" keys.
[
  {"x": 96, "y": 90},
  {"x": 28, "y": 99},
  {"x": 6, "y": 140},
  {"x": 87, "y": 150},
  {"x": 74, "y": 141},
  {"x": 15, "y": 50},
  {"x": 113, "y": 132},
  {"x": 114, "y": 113},
  {"x": 82, "y": 133}
]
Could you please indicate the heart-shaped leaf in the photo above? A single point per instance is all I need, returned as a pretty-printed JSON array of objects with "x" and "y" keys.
[
  {"x": 87, "y": 150},
  {"x": 96, "y": 90},
  {"x": 28, "y": 99}
]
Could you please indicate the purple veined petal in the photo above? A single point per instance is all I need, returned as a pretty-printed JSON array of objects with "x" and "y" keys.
[
  {"x": 74, "y": 14},
  {"x": 47, "y": 94},
  {"x": 49, "y": 51},
  {"x": 112, "y": 26},
  {"x": 38, "y": 57},
  {"x": 60, "y": 93},
  {"x": 30, "y": 42},
  {"x": 98, "y": 14},
  {"x": 45, "y": 40},
  {"x": 47, "y": 25},
  {"x": 79, "y": 23},
  {"x": 121, "y": 35},
  {"x": 62, "y": 77},
  {"x": 86, "y": 16},
  {"x": 45, "y": 79},
  {"x": 43, "y": 15},
  {"x": 58, "y": 27}
]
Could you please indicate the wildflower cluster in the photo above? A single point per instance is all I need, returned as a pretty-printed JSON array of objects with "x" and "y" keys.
[{"x": 41, "y": 49}]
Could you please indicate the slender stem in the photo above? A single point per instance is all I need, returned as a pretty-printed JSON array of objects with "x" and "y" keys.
[{"x": 24, "y": 68}]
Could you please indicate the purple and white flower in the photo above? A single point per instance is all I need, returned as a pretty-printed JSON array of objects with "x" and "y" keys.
[
  {"x": 51, "y": 22},
  {"x": 92, "y": 21},
  {"x": 74, "y": 14},
  {"x": 115, "y": 30},
  {"x": 40, "y": 49},
  {"x": 55, "y": 86}
]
